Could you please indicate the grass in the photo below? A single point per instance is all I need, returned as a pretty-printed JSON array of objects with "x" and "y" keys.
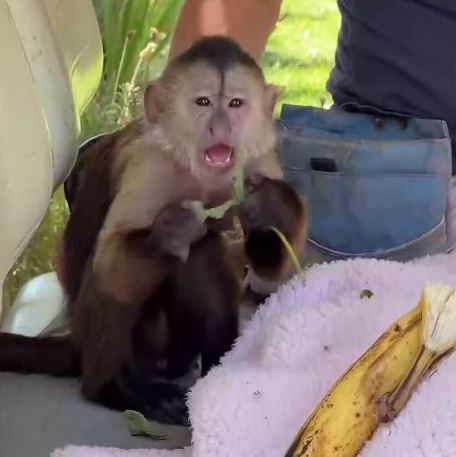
[
  {"x": 299, "y": 57},
  {"x": 300, "y": 52}
]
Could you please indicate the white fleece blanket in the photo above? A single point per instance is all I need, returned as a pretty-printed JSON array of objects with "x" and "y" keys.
[{"x": 296, "y": 346}]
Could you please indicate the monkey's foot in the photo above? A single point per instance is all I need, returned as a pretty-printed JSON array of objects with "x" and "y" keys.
[
  {"x": 158, "y": 401},
  {"x": 163, "y": 402}
]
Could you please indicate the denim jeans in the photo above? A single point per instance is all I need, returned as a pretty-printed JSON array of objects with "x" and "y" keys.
[{"x": 378, "y": 184}]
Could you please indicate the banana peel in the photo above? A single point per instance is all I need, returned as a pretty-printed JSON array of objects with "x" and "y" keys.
[{"x": 378, "y": 385}]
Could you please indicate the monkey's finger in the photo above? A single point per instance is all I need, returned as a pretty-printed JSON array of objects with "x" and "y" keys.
[
  {"x": 248, "y": 217},
  {"x": 193, "y": 205},
  {"x": 196, "y": 232},
  {"x": 179, "y": 250},
  {"x": 261, "y": 211},
  {"x": 254, "y": 182},
  {"x": 165, "y": 403},
  {"x": 177, "y": 218}
]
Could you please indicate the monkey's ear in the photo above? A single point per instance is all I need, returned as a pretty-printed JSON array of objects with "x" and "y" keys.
[
  {"x": 153, "y": 101},
  {"x": 272, "y": 94}
]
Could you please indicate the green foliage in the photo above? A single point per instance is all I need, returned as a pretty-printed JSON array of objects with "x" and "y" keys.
[
  {"x": 300, "y": 51},
  {"x": 135, "y": 33},
  {"x": 135, "y": 36},
  {"x": 239, "y": 179},
  {"x": 38, "y": 258}
]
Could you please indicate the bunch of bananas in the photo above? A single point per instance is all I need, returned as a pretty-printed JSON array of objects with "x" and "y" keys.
[{"x": 377, "y": 386}]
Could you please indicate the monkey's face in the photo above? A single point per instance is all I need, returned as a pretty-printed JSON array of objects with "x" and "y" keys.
[
  {"x": 213, "y": 114},
  {"x": 223, "y": 112}
]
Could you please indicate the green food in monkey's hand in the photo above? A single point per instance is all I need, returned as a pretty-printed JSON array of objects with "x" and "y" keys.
[
  {"x": 238, "y": 196},
  {"x": 238, "y": 193}
]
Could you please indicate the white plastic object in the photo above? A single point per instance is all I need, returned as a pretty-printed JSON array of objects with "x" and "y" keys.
[
  {"x": 51, "y": 61},
  {"x": 39, "y": 308}
]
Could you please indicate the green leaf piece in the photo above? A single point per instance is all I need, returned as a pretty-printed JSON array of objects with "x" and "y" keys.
[
  {"x": 289, "y": 249},
  {"x": 219, "y": 211},
  {"x": 140, "y": 426},
  {"x": 238, "y": 192},
  {"x": 238, "y": 184}
]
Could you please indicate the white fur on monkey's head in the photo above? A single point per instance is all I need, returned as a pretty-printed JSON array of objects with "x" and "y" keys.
[{"x": 210, "y": 101}]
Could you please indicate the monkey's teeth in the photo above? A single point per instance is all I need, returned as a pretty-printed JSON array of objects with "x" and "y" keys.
[{"x": 219, "y": 156}]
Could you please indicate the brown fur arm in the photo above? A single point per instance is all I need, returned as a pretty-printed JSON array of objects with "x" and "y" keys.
[
  {"x": 122, "y": 239},
  {"x": 92, "y": 199},
  {"x": 108, "y": 307},
  {"x": 127, "y": 269}
]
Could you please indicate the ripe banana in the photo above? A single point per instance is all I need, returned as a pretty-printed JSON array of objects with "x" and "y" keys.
[
  {"x": 376, "y": 387},
  {"x": 438, "y": 336}
]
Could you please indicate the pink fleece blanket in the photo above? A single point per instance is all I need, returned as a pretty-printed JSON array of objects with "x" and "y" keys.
[{"x": 293, "y": 350}]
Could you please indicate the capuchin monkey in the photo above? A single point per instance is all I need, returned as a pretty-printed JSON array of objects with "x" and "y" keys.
[{"x": 151, "y": 286}]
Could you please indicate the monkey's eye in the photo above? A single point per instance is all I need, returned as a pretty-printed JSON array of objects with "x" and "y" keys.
[
  {"x": 236, "y": 103},
  {"x": 203, "y": 101}
]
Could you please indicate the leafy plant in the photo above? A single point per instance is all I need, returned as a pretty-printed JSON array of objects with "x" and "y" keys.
[{"x": 135, "y": 36}]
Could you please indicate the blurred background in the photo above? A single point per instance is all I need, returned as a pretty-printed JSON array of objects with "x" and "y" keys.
[{"x": 136, "y": 33}]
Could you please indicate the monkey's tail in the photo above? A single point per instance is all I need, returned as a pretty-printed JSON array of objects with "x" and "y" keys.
[{"x": 55, "y": 355}]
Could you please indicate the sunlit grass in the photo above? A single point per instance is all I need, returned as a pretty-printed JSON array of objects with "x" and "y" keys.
[
  {"x": 300, "y": 52},
  {"x": 299, "y": 56}
]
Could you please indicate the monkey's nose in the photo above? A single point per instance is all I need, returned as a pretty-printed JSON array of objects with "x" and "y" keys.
[{"x": 220, "y": 132}]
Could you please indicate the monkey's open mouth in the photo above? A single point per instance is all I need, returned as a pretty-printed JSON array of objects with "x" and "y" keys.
[{"x": 219, "y": 155}]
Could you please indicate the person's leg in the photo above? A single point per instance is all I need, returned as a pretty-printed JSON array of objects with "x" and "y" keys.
[{"x": 249, "y": 22}]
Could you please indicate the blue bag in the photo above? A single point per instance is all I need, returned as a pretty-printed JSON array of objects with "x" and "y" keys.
[{"x": 377, "y": 186}]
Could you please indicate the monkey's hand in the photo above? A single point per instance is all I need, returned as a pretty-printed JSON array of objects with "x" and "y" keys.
[
  {"x": 175, "y": 228},
  {"x": 269, "y": 203}
]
